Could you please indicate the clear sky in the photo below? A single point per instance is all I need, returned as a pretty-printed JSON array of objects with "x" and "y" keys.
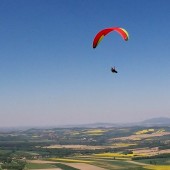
[{"x": 51, "y": 75}]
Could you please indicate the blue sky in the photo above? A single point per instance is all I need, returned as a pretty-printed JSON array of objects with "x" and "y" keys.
[{"x": 51, "y": 75}]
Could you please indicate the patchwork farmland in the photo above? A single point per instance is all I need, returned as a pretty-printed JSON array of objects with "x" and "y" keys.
[{"x": 106, "y": 148}]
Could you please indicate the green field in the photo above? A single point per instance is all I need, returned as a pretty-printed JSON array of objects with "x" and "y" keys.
[
  {"x": 38, "y": 166},
  {"x": 157, "y": 161}
]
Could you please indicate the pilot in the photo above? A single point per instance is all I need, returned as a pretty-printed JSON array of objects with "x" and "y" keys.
[{"x": 113, "y": 70}]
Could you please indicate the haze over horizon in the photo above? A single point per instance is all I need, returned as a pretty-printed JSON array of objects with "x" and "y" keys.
[{"x": 50, "y": 74}]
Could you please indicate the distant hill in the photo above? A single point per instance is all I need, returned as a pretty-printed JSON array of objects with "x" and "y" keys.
[{"x": 160, "y": 121}]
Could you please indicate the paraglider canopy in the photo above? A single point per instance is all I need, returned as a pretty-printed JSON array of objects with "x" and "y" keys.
[{"x": 100, "y": 35}]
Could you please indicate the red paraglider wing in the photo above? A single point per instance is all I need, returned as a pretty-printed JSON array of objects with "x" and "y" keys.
[{"x": 100, "y": 35}]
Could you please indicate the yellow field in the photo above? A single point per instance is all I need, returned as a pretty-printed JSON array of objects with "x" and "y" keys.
[
  {"x": 158, "y": 167},
  {"x": 160, "y": 130},
  {"x": 95, "y": 131},
  {"x": 144, "y": 131},
  {"x": 113, "y": 155}
]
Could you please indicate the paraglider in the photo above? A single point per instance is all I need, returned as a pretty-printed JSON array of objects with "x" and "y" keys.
[{"x": 100, "y": 35}]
